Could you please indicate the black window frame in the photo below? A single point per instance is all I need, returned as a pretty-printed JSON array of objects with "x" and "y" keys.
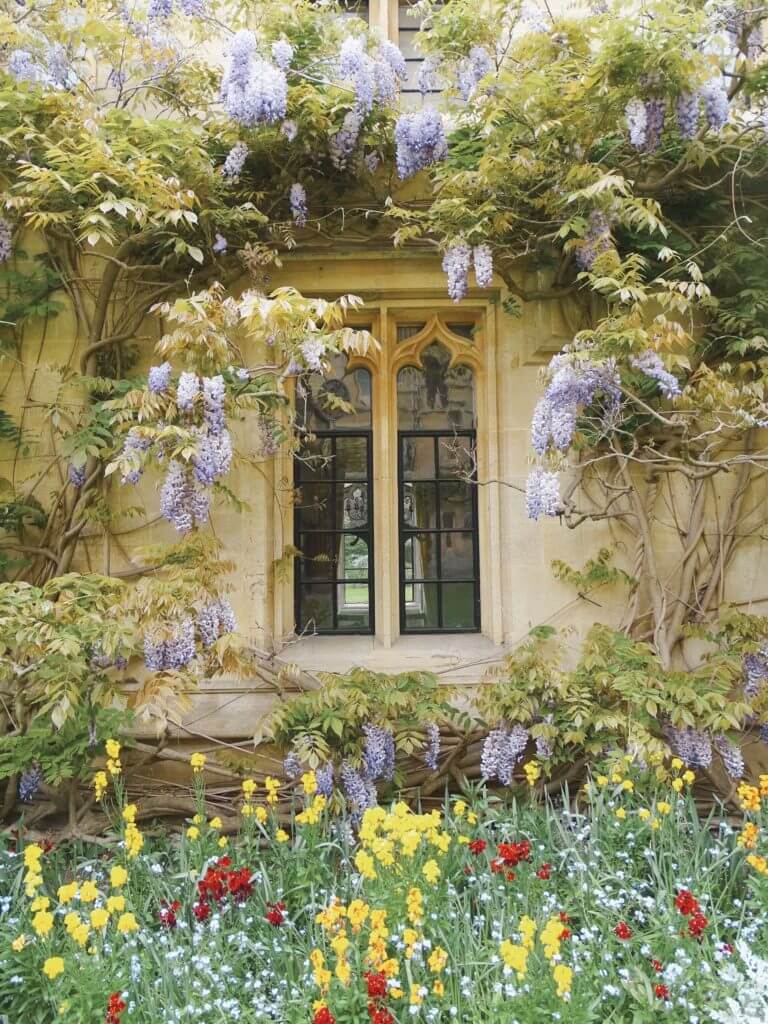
[
  {"x": 405, "y": 532},
  {"x": 336, "y": 484}
]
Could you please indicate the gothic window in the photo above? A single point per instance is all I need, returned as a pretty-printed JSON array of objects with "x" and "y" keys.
[
  {"x": 333, "y": 514},
  {"x": 439, "y": 572}
]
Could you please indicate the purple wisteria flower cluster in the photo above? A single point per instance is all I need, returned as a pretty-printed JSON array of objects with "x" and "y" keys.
[
  {"x": 134, "y": 443},
  {"x": 645, "y": 118},
  {"x": 50, "y": 68},
  {"x": 372, "y": 78},
  {"x": 359, "y": 791},
  {"x": 253, "y": 90},
  {"x": 298, "y": 200},
  {"x": 378, "y": 753},
  {"x": 458, "y": 261},
  {"x": 235, "y": 161},
  {"x": 341, "y": 145},
  {"x": 432, "y": 747},
  {"x": 575, "y": 384},
  {"x": 472, "y": 69},
  {"x": 596, "y": 241},
  {"x": 502, "y": 749},
  {"x": 542, "y": 493},
  {"x": 691, "y": 746},
  {"x": 159, "y": 378},
  {"x": 282, "y": 54},
  {"x": 6, "y": 241},
  {"x": 313, "y": 350},
  {"x": 650, "y": 364},
  {"x": 76, "y": 474},
  {"x": 731, "y": 756},
  {"x": 173, "y": 649},
  {"x": 183, "y": 501},
  {"x": 420, "y": 141},
  {"x": 215, "y": 619},
  {"x": 324, "y": 777},
  {"x": 292, "y": 765},
  {"x": 755, "y": 666}
]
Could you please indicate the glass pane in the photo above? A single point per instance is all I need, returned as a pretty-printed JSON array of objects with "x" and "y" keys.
[
  {"x": 353, "y": 605},
  {"x": 456, "y": 456},
  {"x": 459, "y": 606},
  {"x": 341, "y": 399},
  {"x": 464, "y": 330},
  {"x": 435, "y": 396},
  {"x": 421, "y": 606},
  {"x": 456, "y": 506},
  {"x": 353, "y": 557},
  {"x": 405, "y": 331},
  {"x": 421, "y": 556},
  {"x": 418, "y": 458},
  {"x": 313, "y": 506},
  {"x": 457, "y": 556},
  {"x": 316, "y": 606},
  {"x": 351, "y": 458},
  {"x": 315, "y": 461},
  {"x": 354, "y": 510},
  {"x": 420, "y": 505},
  {"x": 318, "y": 556}
]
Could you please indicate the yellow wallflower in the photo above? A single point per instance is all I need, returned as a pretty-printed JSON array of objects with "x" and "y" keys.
[
  {"x": 19, "y": 943},
  {"x": 88, "y": 892},
  {"x": 118, "y": 876},
  {"x": 459, "y": 808},
  {"x": 760, "y": 864},
  {"x": 71, "y": 921},
  {"x": 53, "y": 967},
  {"x": 282, "y": 836},
  {"x": 563, "y": 977},
  {"x": 602, "y": 780},
  {"x": 689, "y": 778},
  {"x": 309, "y": 783},
  {"x": 621, "y": 813},
  {"x": 42, "y": 922},
  {"x": 113, "y": 748},
  {"x": 99, "y": 918},
  {"x": 129, "y": 813},
  {"x": 115, "y": 904},
  {"x": 249, "y": 788},
  {"x": 193, "y": 832},
  {"x": 676, "y": 763},
  {"x": 100, "y": 783},
  {"x": 261, "y": 813},
  {"x": 222, "y": 842},
  {"x": 80, "y": 934},
  {"x": 527, "y": 929},
  {"x": 216, "y": 823},
  {"x": 431, "y": 872},
  {"x": 343, "y": 972},
  {"x": 272, "y": 786},
  {"x": 438, "y": 988},
  {"x": 471, "y": 818},
  {"x": 134, "y": 841},
  {"x": 749, "y": 797},
  {"x": 32, "y": 855},
  {"x": 515, "y": 957},
  {"x": 663, "y": 807},
  {"x": 357, "y": 913},
  {"x": 628, "y": 785},
  {"x": 532, "y": 772},
  {"x": 365, "y": 864},
  {"x": 747, "y": 839},
  {"x": 40, "y": 903},
  {"x": 197, "y": 761},
  {"x": 66, "y": 893},
  {"x": 644, "y": 814},
  {"x": 438, "y": 958},
  {"x": 677, "y": 785},
  {"x": 127, "y": 923}
]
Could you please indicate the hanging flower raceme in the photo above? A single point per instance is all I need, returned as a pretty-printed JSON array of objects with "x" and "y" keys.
[
  {"x": 502, "y": 749},
  {"x": 235, "y": 161},
  {"x": 253, "y": 91},
  {"x": 298, "y": 200},
  {"x": 172, "y": 650},
  {"x": 687, "y": 114},
  {"x": 649, "y": 363},
  {"x": 214, "y": 620},
  {"x": 596, "y": 241},
  {"x": 542, "y": 494},
  {"x": 6, "y": 241},
  {"x": 432, "y": 749},
  {"x": 420, "y": 140},
  {"x": 456, "y": 264},
  {"x": 472, "y": 69}
]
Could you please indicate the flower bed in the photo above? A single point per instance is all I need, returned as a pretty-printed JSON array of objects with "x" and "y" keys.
[{"x": 627, "y": 908}]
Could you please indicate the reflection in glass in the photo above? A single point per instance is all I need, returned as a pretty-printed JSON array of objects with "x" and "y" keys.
[
  {"x": 421, "y": 610},
  {"x": 458, "y": 605},
  {"x": 435, "y": 396},
  {"x": 339, "y": 401}
]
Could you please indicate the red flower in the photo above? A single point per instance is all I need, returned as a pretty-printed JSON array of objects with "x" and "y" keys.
[
  {"x": 564, "y": 917},
  {"x": 324, "y": 1016},
  {"x": 201, "y": 910},
  {"x": 544, "y": 872},
  {"x": 511, "y": 876},
  {"x": 477, "y": 846},
  {"x": 565, "y": 934},
  {"x": 513, "y": 853},
  {"x": 623, "y": 930},
  {"x": 686, "y": 903},
  {"x": 377, "y": 984},
  {"x": 224, "y": 862},
  {"x": 380, "y": 1015},
  {"x": 115, "y": 1007},
  {"x": 661, "y": 992},
  {"x": 696, "y": 925},
  {"x": 657, "y": 966},
  {"x": 275, "y": 917},
  {"x": 167, "y": 913}
]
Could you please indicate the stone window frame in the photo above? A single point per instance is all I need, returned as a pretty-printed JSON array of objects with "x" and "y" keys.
[{"x": 382, "y": 318}]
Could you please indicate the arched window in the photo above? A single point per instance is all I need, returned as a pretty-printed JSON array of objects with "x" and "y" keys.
[
  {"x": 333, "y": 511},
  {"x": 439, "y": 572}
]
